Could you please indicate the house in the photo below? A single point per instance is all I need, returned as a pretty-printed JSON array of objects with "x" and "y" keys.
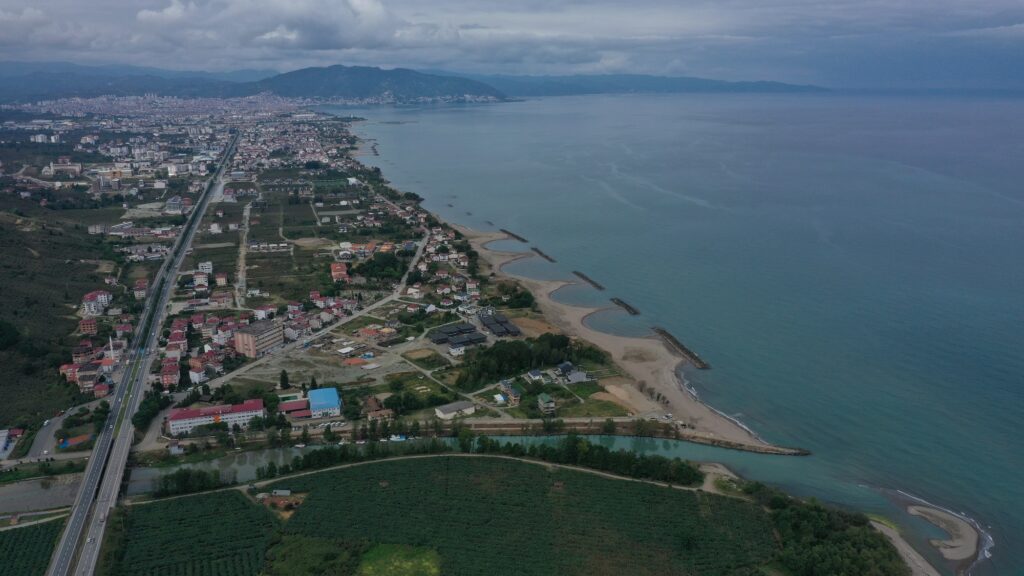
[
  {"x": 577, "y": 377},
  {"x": 373, "y": 409},
  {"x": 535, "y": 375},
  {"x": 564, "y": 369},
  {"x": 169, "y": 376},
  {"x": 101, "y": 390},
  {"x": 324, "y": 402},
  {"x": 205, "y": 267},
  {"x": 512, "y": 392},
  {"x": 87, "y": 326},
  {"x": 141, "y": 289},
  {"x": 456, "y": 350},
  {"x": 450, "y": 411},
  {"x": 546, "y": 404},
  {"x": 221, "y": 278},
  {"x": 339, "y": 272}
]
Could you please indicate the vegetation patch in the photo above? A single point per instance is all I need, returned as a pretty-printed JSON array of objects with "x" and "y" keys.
[
  {"x": 296, "y": 555},
  {"x": 399, "y": 560}
]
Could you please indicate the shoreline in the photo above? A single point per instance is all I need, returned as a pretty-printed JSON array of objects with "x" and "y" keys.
[
  {"x": 572, "y": 320},
  {"x": 646, "y": 360}
]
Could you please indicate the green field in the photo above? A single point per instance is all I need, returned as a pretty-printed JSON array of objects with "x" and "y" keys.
[
  {"x": 490, "y": 516},
  {"x": 26, "y": 551}
]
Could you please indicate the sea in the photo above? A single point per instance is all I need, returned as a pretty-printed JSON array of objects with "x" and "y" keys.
[{"x": 852, "y": 267}]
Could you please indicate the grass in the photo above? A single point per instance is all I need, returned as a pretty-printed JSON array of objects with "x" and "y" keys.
[
  {"x": 399, "y": 560},
  {"x": 304, "y": 555},
  {"x": 586, "y": 389},
  {"x": 593, "y": 408},
  {"x": 26, "y": 551}
]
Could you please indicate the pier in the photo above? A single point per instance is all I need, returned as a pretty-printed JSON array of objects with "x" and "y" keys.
[
  {"x": 681, "y": 348},
  {"x": 542, "y": 254},
  {"x": 626, "y": 306},
  {"x": 514, "y": 236},
  {"x": 588, "y": 279}
]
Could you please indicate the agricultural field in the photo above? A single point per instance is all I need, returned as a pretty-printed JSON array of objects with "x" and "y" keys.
[
  {"x": 26, "y": 551},
  {"x": 491, "y": 516},
  {"x": 220, "y": 533}
]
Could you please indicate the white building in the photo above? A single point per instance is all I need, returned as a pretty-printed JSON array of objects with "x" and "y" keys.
[{"x": 184, "y": 420}]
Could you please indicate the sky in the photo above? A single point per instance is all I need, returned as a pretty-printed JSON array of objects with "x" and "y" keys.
[{"x": 836, "y": 43}]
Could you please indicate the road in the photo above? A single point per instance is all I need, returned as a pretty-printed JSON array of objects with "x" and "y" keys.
[{"x": 102, "y": 480}]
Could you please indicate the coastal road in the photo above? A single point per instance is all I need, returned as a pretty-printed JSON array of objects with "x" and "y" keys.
[{"x": 102, "y": 479}]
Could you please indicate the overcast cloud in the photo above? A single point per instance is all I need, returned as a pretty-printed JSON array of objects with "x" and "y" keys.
[{"x": 843, "y": 43}]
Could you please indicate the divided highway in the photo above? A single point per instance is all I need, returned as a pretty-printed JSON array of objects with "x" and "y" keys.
[{"x": 103, "y": 476}]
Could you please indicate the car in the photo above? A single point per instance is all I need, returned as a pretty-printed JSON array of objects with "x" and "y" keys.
[{"x": 46, "y": 452}]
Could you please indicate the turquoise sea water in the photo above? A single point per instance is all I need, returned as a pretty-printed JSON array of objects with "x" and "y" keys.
[{"x": 852, "y": 268}]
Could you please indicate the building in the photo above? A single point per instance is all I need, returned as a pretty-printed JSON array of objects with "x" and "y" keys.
[
  {"x": 258, "y": 338},
  {"x": 184, "y": 420},
  {"x": 206, "y": 267},
  {"x": 324, "y": 403},
  {"x": 374, "y": 409},
  {"x": 512, "y": 392},
  {"x": 545, "y": 404},
  {"x": 339, "y": 272},
  {"x": 87, "y": 326},
  {"x": 460, "y": 408}
]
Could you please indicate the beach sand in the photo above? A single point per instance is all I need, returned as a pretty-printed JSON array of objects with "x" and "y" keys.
[
  {"x": 918, "y": 565},
  {"x": 962, "y": 543},
  {"x": 647, "y": 361}
]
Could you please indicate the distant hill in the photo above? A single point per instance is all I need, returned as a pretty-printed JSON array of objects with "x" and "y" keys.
[
  {"x": 29, "y": 81},
  {"x": 360, "y": 82},
  {"x": 9, "y": 69},
  {"x": 625, "y": 84}
]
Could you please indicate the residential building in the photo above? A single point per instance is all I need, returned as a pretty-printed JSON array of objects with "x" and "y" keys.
[
  {"x": 546, "y": 404},
  {"x": 258, "y": 338},
  {"x": 184, "y": 420}
]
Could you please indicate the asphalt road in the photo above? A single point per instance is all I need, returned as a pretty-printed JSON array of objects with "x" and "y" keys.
[{"x": 102, "y": 480}]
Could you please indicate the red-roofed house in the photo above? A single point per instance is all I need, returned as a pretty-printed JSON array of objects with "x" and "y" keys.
[
  {"x": 339, "y": 272},
  {"x": 169, "y": 375}
]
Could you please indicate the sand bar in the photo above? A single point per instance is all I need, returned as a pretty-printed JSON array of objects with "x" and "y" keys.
[{"x": 962, "y": 543}]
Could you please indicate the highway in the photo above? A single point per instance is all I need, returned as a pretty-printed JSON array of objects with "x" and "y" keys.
[{"x": 102, "y": 480}]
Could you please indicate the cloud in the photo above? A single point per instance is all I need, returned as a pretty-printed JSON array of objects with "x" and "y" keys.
[{"x": 797, "y": 40}]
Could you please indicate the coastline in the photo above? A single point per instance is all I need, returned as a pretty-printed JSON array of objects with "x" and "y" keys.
[
  {"x": 652, "y": 360},
  {"x": 646, "y": 360}
]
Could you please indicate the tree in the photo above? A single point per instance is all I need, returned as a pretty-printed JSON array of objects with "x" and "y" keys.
[
  {"x": 329, "y": 436},
  {"x": 608, "y": 427},
  {"x": 466, "y": 438},
  {"x": 283, "y": 380},
  {"x": 312, "y": 383},
  {"x": 304, "y": 437}
]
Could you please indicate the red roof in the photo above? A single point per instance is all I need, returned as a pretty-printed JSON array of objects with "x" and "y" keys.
[
  {"x": 301, "y": 414},
  {"x": 293, "y": 405},
  {"x": 188, "y": 413}
]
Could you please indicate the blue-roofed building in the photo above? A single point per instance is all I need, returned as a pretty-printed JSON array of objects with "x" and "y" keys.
[{"x": 324, "y": 403}]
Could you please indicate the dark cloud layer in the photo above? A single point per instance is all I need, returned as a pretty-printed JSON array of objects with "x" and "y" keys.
[{"x": 845, "y": 43}]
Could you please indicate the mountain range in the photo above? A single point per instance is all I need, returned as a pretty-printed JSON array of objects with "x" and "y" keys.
[{"x": 32, "y": 81}]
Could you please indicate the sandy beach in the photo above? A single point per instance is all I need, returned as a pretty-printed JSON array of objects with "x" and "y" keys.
[
  {"x": 645, "y": 360},
  {"x": 962, "y": 543},
  {"x": 918, "y": 565}
]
